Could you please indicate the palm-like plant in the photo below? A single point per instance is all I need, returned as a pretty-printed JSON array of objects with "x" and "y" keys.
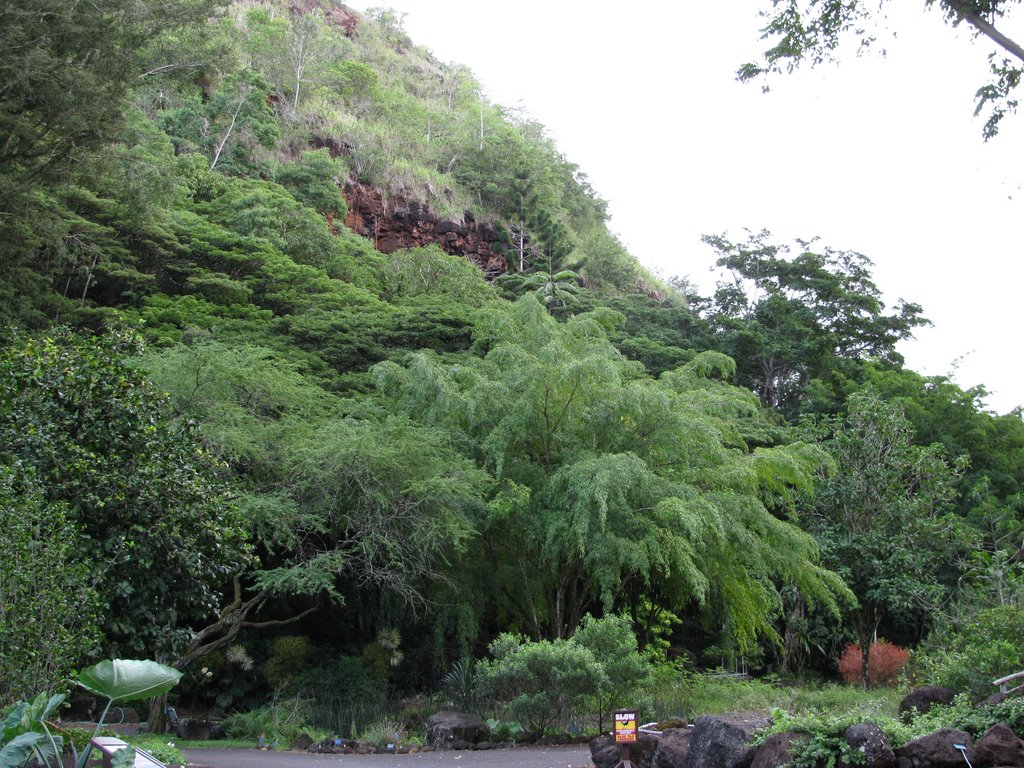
[{"x": 558, "y": 289}]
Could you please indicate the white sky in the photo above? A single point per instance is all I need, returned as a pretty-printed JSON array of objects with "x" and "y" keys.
[{"x": 881, "y": 155}]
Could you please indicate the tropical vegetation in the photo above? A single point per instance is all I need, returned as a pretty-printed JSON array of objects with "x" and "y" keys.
[{"x": 317, "y": 476}]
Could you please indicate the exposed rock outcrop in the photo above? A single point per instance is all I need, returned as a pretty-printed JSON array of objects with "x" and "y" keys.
[
  {"x": 407, "y": 224},
  {"x": 672, "y": 749},
  {"x": 777, "y": 750},
  {"x": 998, "y": 746},
  {"x": 605, "y": 752}
]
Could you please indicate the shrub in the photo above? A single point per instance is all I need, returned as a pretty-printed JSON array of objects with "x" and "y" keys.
[
  {"x": 384, "y": 732},
  {"x": 885, "y": 663},
  {"x": 986, "y": 647},
  {"x": 541, "y": 681},
  {"x": 280, "y": 723},
  {"x": 159, "y": 747},
  {"x": 614, "y": 646},
  {"x": 289, "y": 657}
]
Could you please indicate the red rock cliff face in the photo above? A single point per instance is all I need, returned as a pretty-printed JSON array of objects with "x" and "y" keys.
[{"x": 404, "y": 224}]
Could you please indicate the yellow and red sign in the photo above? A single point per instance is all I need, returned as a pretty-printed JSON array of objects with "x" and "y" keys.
[{"x": 625, "y": 726}]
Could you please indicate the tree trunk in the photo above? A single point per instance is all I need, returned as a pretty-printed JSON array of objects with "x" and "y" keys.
[{"x": 792, "y": 647}]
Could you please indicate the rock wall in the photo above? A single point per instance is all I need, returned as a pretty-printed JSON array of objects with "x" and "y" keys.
[{"x": 404, "y": 224}]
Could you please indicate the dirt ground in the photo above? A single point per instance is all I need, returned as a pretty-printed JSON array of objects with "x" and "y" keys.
[{"x": 519, "y": 757}]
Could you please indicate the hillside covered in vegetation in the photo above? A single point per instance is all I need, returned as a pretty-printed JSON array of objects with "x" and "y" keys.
[{"x": 319, "y": 369}]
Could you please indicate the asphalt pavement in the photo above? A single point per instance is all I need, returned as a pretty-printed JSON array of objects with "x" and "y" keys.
[{"x": 517, "y": 757}]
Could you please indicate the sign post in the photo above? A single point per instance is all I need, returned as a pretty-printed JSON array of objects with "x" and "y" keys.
[{"x": 626, "y": 733}]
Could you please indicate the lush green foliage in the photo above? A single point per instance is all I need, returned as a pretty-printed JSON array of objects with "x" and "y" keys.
[
  {"x": 394, "y": 442},
  {"x": 540, "y": 681},
  {"x": 881, "y": 517},
  {"x": 154, "y": 527},
  {"x": 47, "y": 603},
  {"x": 988, "y": 646}
]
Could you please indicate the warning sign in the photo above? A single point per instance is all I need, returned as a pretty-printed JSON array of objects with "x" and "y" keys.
[{"x": 625, "y": 726}]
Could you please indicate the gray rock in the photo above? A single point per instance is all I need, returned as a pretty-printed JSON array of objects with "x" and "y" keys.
[
  {"x": 936, "y": 750},
  {"x": 196, "y": 729},
  {"x": 672, "y": 748},
  {"x": 445, "y": 729},
  {"x": 922, "y": 700},
  {"x": 777, "y": 750},
  {"x": 301, "y": 743},
  {"x": 998, "y": 746},
  {"x": 605, "y": 753},
  {"x": 871, "y": 741},
  {"x": 723, "y": 741}
]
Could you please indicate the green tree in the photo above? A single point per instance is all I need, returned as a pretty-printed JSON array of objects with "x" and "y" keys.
[
  {"x": 153, "y": 519},
  {"x": 813, "y": 31},
  {"x": 882, "y": 521},
  {"x": 65, "y": 69},
  {"x": 47, "y": 603},
  {"x": 613, "y": 643},
  {"x": 623, "y": 486},
  {"x": 789, "y": 321}
]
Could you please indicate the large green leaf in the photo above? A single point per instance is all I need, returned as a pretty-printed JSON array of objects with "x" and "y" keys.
[
  {"x": 128, "y": 679},
  {"x": 123, "y": 758},
  {"x": 16, "y": 752},
  {"x": 29, "y": 717}
]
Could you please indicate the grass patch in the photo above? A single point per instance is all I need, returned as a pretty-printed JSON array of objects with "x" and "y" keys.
[
  {"x": 214, "y": 744},
  {"x": 691, "y": 695}
]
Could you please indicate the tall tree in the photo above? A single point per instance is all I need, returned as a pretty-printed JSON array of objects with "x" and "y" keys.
[
  {"x": 152, "y": 515},
  {"x": 882, "y": 518},
  {"x": 812, "y": 30},
  {"x": 789, "y": 320},
  {"x": 64, "y": 72},
  {"x": 622, "y": 486}
]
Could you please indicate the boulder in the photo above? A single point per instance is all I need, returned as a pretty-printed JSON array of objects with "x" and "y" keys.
[
  {"x": 777, "y": 750},
  {"x": 723, "y": 741},
  {"x": 936, "y": 750},
  {"x": 301, "y": 743},
  {"x": 446, "y": 729},
  {"x": 871, "y": 741},
  {"x": 198, "y": 729},
  {"x": 998, "y": 746},
  {"x": 605, "y": 753},
  {"x": 922, "y": 700},
  {"x": 672, "y": 748}
]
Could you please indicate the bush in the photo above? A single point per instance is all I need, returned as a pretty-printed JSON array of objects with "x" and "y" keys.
[
  {"x": 280, "y": 723},
  {"x": 541, "y": 681},
  {"x": 289, "y": 657},
  {"x": 886, "y": 662},
  {"x": 626, "y": 672},
  {"x": 985, "y": 648},
  {"x": 163, "y": 750}
]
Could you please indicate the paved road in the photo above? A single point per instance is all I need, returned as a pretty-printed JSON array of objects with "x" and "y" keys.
[{"x": 520, "y": 757}]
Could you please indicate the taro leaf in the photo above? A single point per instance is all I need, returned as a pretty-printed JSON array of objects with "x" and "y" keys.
[
  {"x": 18, "y": 750},
  {"x": 14, "y": 722},
  {"x": 128, "y": 679},
  {"x": 123, "y": 758},
  {"x": 28, "y": 717},
  {"x": 49, "y": 748}
]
